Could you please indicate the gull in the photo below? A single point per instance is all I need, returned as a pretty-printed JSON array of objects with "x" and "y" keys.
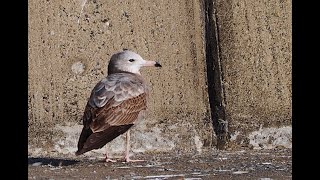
[{"x": 116, "y": 103}]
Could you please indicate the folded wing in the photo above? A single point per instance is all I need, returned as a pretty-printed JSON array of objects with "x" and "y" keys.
[{"x": 113, "y": 107}]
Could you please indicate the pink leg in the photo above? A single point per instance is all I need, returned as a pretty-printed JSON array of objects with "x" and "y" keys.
[
  {"x": 128, "y": 149},
  {"x": 107, "y": 159}
]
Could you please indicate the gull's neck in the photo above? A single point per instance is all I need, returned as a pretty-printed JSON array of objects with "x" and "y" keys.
[{"x": 113, "y": 70}]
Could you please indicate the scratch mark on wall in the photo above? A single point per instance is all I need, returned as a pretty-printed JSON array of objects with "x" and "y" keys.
[{"x": 83, "y": 3}]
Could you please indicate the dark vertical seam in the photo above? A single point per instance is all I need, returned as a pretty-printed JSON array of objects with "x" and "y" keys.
[{"x": 215, "y": 75}]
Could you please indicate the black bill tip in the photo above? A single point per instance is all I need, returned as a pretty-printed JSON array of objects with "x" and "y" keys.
[{"x": 157, "y": 64}]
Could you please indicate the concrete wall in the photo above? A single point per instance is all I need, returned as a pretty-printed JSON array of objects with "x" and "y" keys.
[
  {"x": 255, "y": 51},
  {"x": 70, "y": 43}
]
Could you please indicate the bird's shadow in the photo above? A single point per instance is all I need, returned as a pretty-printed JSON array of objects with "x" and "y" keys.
[{"x": 51, "y": 161}]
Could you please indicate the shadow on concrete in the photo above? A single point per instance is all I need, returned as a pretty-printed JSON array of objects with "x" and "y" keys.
[{"x": 51, "y": 161}]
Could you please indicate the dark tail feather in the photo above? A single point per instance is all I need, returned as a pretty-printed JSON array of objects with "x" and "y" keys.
[
  {"x": 85, "y": 133},
  {"x": 99, "y": 139}
]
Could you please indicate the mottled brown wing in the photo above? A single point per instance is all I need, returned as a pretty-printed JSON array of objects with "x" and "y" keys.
[
  {"x": 115, "y": 98},
  {"x": 125, "y": 113},
  {"x": 109, "y": 122},
  {"x": 119, "y": 87},
  {"x": 113, "y": 107}
]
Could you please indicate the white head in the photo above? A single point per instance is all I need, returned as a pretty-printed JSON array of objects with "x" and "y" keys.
[{"x": 128, "y": 61}]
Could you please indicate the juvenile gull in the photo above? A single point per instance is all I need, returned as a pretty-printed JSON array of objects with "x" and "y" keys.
[{"x": 115, "y": 103}]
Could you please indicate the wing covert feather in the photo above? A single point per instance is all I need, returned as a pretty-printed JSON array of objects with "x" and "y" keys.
[{"x": 116, "y": 100}]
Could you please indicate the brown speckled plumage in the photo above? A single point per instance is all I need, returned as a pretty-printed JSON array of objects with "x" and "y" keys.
[{"x": 114, "y": 105}]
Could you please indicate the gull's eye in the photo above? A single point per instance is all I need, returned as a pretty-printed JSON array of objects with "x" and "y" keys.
[{"x": 131, "y": 60}]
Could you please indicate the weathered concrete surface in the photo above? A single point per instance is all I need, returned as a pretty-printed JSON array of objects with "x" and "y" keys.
[
  {"x": 242, "y": 165},
  {"x": 70, "y": 43},
  {"x": 255, "y": 51}
]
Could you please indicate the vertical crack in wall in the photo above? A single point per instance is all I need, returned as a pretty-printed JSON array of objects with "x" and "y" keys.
[{"x": 215, "y": 75}]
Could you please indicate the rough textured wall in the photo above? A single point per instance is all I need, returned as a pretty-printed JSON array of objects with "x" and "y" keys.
[
  {"x": 70, "y": 43},
  {"x": 255, "y": 47}
]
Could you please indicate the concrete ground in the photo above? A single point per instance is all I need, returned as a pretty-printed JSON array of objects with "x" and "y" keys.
[{"x": 245, "y": 164}]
